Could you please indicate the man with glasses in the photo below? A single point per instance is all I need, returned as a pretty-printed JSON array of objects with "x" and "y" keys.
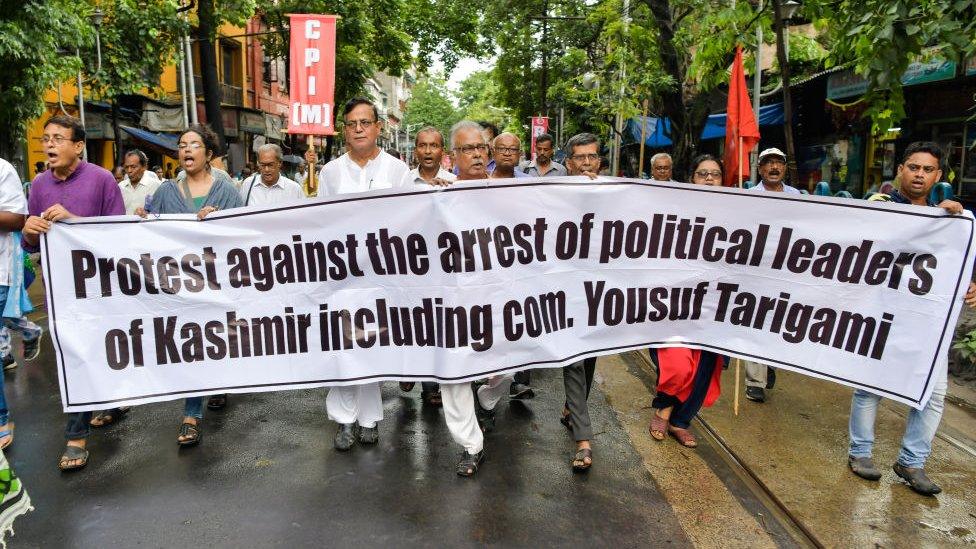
[
  {"x": 543, "y": 163},
  {"x": 918, "y": 172},
  {"x": 269, "y": 185},
  {"x": 70, "y": 188},
  {"x": 772, "y": 171},
  {"x": 661, "y": 167},
  {"x": 364, "y": 167}
]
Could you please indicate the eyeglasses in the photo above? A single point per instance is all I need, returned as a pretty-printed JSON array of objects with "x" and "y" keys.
[
  {"x": 469, "y": 150},
  {"x": 195, "y": 145},
  {"x": 356, "y": 124},
  {"x": 507, "y": 150},
  {"x": 56, "y": 139},
  {"x": 706, "y": 174},
  {"x": 916, "y": 167},
  {"x": 582, "y": 157}
]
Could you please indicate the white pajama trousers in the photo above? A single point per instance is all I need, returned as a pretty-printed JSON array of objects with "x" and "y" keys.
[
  {"x": 361, "y": 404},
  {"x": 497, "y": 387},
  {"x": 458, "y": 401}
]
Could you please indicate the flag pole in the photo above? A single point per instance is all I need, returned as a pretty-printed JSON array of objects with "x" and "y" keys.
[
  {"x": 738, "y": 362},
  {"x": 640, "y": 163},
  {"x": 312, "y": 184}
]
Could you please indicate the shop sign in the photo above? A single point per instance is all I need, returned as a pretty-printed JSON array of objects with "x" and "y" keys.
[{"x": 847, "y": 84}]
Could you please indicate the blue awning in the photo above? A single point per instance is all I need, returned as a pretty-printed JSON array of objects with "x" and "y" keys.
[
  {"x": 657, "y": 131},
  {"x": 166, "y": 142}
]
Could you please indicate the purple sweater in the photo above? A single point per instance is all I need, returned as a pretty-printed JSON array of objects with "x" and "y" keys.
[{"x": 88, "y": 192}]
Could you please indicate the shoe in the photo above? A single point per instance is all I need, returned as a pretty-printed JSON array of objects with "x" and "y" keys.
[
  {"x": 770, "y": 377},
  {"x": 345, "y": 437},
  {"x": 863, "y": 467},
  {"x": 217, "y": 402},
  {"x": 486, "y": 417},
  {"x": 407, "y": 386},
  {"x": 469, "y": 464},
  {"x": 32, "y": 348},
  {"x": 756, "y": 394},
  {"x": 9, "y": 363},
  {"x": 917, "y": 479},
  {"x": 520, "y": 391},
  {"x": 369, "y": 435}
]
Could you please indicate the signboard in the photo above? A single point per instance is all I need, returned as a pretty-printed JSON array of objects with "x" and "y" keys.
[
  {"x": 848, "y": 84},
  {"x": 312, "y": 84},
  {"x": 540, "y": 125}
]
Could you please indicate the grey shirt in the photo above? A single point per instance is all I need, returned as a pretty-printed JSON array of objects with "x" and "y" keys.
[{"x": 532, "y": 169}]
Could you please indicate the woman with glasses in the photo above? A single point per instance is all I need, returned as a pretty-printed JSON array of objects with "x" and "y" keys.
[
  {"x": 202, "y": 190},
  {"x": 687, "y": 378}
]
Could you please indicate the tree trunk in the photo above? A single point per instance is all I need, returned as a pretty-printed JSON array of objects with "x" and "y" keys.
[
  {"x": 119, "y": 152},
  {"x": 208, "y": 70}
]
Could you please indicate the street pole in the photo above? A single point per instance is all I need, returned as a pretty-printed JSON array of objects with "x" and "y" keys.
[
  {"x": 787, "y": 98},
  {"x": 186, "y": 115},
  {"x": 81, "y": 107},
  {"x": 545, "y": 57},
  {"x": 189, "y": 80},
  {"x": 618, "y": 124},
  {"x": 757, "y": 90}
]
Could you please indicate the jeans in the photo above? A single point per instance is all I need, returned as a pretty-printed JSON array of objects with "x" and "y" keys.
[
  {"x": 29, "y": 331},
  {"x": 916, "y": 444},
  {"x": 78, "y": 426},
  {"x": 193, "y": 407},
  {"x": 4, "y": 413}
]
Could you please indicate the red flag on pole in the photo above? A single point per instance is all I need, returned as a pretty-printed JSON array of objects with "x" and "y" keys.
[
  {"x": 540, "y": 125},
  {"x": 741, "y": 129},
  {"x": 312, "y": 78}
]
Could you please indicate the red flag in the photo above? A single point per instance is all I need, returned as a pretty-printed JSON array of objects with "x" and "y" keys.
[
  {"x": 312, "y": 78},
  {"x": 540, "y": 125},
  {"x": 739, "y": 123}
]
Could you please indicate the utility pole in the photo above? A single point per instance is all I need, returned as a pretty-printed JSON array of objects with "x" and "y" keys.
[
  {"x": 544, "y": 85},
  {"x": 618, "y": 129},
  {"x": 756, "y": 91},
  {"x": 787, "y": 98}
]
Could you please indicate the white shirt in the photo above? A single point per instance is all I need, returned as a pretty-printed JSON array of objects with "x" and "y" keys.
[
  {"x": 413, "y": 177},
  {"x": 343, "y": 175},
  {"x": 255, "y": 193},
  {"x": 134, "y": 197},
  {"x": 11, "y": 200}
]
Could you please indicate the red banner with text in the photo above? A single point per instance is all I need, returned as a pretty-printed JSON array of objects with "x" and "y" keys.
[{"x": 312, "y": 83}]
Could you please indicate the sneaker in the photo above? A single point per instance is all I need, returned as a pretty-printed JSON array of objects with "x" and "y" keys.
[
  {"x": 863, "y": 467},
  {"x": 916, "y": 478},
  {"x": 32, "y": 348},
  {"x": 9, "y": 362},
  {"x": 756, "y": 394},
  {"x": 520, "y": 391}
]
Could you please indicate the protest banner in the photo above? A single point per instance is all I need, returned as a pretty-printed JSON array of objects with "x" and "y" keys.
[{"x": 486, "y": 277}]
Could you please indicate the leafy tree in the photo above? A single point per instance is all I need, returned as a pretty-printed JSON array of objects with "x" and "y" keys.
[
  {"x": 880, "y": 38},
  {"x": 479, "y": 98},
  {"x": 37, "y": 45},
  {"x": 430, "y": 105}
]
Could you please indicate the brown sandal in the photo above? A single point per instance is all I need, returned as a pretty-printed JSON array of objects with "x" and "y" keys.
[
  {"x": 684, "y": 436},
  {"x": 659, "y": 427}
]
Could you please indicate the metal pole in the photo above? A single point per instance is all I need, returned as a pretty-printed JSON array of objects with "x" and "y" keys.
[
  {"x": 618, "y": 124},
  {"x": 81, "y": 107},
  {"x": 757, "y": 90},
  {"x": 186, "y": 114},
  {"x": 191, "y": 85}
]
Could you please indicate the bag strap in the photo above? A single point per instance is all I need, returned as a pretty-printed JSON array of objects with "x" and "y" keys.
[{"x": 250, "y": 189}]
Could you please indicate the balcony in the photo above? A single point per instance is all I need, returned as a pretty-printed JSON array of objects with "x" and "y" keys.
[{"x": 229, "y": 95}]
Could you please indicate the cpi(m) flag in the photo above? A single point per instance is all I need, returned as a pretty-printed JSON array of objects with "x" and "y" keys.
[
  {"x": 540, "y": 125},
  {"x": 740, "y": 123},
  {"x": 312, "y": 84}
]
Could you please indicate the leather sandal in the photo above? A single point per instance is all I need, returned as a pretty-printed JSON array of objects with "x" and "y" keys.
[
  {"x": 191, "y": 434},
  {"x": 109, "y": 417},
  {"x": 659, "y": 427},
  {"x": 8, "y": 432},
  {"x": 579, "y": 460},
  {"x": 684, "y": 436},
  {"x": 73, "y": 453},
  {"x": 469, "y": 463}
]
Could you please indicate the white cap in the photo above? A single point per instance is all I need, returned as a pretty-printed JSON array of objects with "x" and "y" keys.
[{"x": 772, "y": 151}]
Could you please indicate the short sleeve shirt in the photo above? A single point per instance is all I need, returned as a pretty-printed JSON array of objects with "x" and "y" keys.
[{"x": 11, "y": 200}]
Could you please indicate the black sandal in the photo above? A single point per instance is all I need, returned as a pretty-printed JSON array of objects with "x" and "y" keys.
[
  {"x": 73, "y": 453},
  {"x": 469, "y": 464},
  {"x": 216, "y": 402},
  {"x": 579, "y": 461},
  {"x": 109, "y": 417},
  {"x": 191, "y": 433}
]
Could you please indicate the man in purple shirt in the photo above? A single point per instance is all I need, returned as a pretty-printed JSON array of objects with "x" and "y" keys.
[{"x": 70, "y": 188}]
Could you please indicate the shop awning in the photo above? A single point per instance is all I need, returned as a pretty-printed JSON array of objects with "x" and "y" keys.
[
  {"x": 166, "y": 144},
  {"x": 657, "y": 131}
]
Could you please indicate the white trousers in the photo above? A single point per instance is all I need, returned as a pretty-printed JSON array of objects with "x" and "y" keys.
[
  {"x": 361, "y": 404},
  {"x": 490, "y": 393},
  {"x": 458, "y": 401}
]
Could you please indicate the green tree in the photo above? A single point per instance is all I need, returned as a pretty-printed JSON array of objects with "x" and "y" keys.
[
  {"x": 37, "y": 46},
  {"x": 430, "y": 105},
  {"x": 479, "y": 98}
]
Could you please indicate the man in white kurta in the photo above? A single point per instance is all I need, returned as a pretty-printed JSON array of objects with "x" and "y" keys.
[
  {"x": 364, "y": 167},
  {"x": 269, "y": 186},
  {"x": 139, "y": 182}
]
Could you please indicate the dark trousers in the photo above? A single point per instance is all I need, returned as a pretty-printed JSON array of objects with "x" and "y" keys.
[
  {"x": 523, "y": 377},
  {"x": 684, "y": 412},
  {"x": 429, "y": 387},
  {"x": 577, "y": 380},
  {"x": 78, "y": 426}
]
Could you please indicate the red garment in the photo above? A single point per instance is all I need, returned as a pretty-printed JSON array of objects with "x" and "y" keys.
[{"x": 677, "y": 367}]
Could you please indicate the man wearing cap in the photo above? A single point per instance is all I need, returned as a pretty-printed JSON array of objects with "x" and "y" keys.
[{"x": 772, "y": 170}]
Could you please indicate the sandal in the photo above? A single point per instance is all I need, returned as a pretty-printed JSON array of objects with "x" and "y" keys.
[
  {"x": 407, "y": 386},
  {"x": 216, "y": 402},
  {"x": 191, "y": 434},
  {"x": 432, "y": 398},
  {"x": 684, "y": 436},
  {"x": 659, "y": 427},
  {"x": 8, "y": 432},
  {"x": 73, "y": 453},
  {"x": 108, "y": 417},
  {"x": 579, "y": 461},
  {"x": 469, "y": 463}
]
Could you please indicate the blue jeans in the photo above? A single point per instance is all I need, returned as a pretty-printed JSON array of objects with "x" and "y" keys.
[
  {"x": 916, "y": 444},
  {"x": 193, "y": 407},
  {"x": 29, "y": 331},
  {"x": 4, "y": 413}
]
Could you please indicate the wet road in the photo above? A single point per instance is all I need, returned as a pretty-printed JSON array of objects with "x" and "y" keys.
[{"x": 266, "y": 475}]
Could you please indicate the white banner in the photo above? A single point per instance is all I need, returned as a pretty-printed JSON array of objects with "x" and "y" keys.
[{"x": 480, "y": 278}]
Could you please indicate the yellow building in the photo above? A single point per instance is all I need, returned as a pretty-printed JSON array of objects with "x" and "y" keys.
[{"x": 156, "y": 116}]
